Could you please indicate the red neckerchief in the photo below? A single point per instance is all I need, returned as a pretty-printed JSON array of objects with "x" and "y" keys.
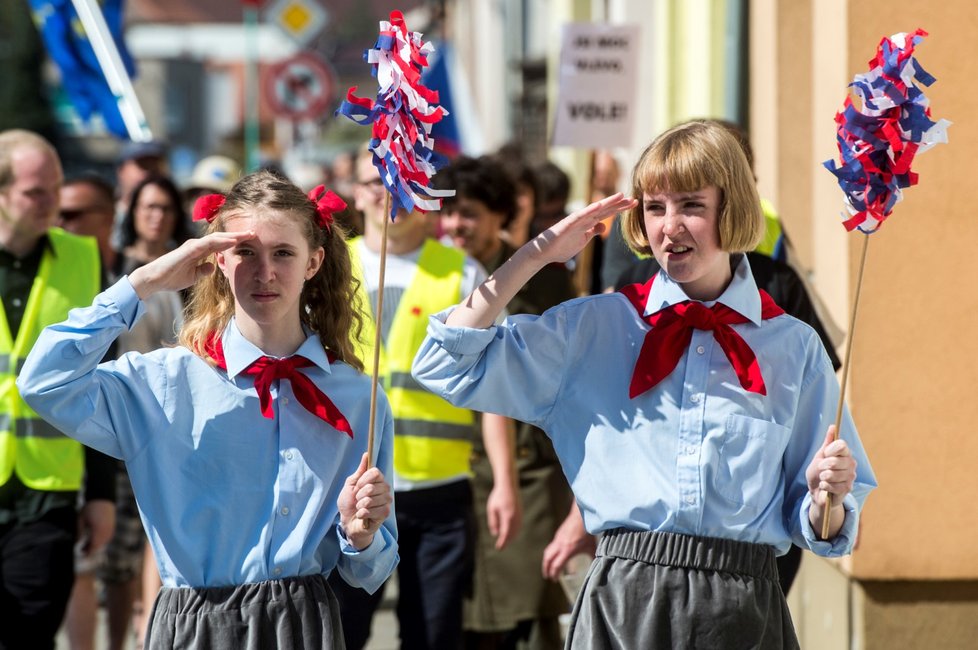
[
  {"x": 672, "y": 329},
  {"x": 265, "y": 370}
]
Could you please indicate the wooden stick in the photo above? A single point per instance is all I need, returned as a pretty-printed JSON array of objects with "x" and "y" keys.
[
  {"x": 845, "y": 377},
  {"x": 378, "y": 339},
  {"x": 378, "y": 319}
]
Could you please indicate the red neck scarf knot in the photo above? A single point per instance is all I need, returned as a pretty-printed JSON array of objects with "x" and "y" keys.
[
  {"x": 265, "y": 370},
  {"x": 672, "y": 330}
]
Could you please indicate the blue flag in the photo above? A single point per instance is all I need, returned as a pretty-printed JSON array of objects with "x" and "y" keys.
[
  {"x": 81, "y": 75},
  {"x": 448, "y": 139}
]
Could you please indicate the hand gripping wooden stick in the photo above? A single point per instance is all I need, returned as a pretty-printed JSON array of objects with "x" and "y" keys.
[
  {"x": 378, "y": 318},
  {"x": 826, "y": 512}
]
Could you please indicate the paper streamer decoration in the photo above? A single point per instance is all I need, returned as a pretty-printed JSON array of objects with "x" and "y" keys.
[
  {"x": 878, "y": 144},
  {"x": 402, "y": 116}
]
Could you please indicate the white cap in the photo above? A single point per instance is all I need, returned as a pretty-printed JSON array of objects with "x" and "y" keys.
[{"x": 216, "y": 173}]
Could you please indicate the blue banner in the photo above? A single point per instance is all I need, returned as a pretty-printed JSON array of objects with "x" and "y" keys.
[{"x": 81, "y": 75}]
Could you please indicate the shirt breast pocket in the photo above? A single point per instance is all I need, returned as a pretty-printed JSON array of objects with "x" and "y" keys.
[{"x": 750, "y": 458}]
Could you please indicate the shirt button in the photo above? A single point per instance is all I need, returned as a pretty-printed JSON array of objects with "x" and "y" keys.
[
  {"x": 695, "y": 399},
  {"x": 16, "y": 302},
  {"x": 277, "y": 571},
  {"x": 700, "y": 349},
  {"x": 690, "y": 450},
  {"x": 16, "y": 264},
  {"x": 288, "y": 455},
  {"x": 285, "y": 510},
  {"x": 285, "y": 400},
  {"x": 690, "y": 499}
]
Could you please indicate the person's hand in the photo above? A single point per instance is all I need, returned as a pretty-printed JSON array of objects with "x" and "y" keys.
[
  {"x": 364, "y": 503},
  {"x": 96, "y": 523},
  {"x": 570, "y": 235},
  {"x": 181, "y": 267},
  {"x": 570, "y": 539},
  {"x": 504, "y": 513},
  {"x": 832, "y": 470}
]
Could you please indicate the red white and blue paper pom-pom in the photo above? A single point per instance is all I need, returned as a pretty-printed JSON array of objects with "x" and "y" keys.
[
  {"x": 877, "y": 144},
  {"x": 402, "y": 115}
]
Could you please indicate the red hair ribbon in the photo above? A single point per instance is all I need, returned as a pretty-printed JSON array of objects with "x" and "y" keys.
[
  {"x": 206, "y": 207},
  {"x": 326, "y": 204}
]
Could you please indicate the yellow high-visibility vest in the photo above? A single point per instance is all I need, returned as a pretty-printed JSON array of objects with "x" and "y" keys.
[
  {"x": 772, "y": 241},
  {"x": 432, "y": 438},
  {"x": 43, "y": 457}
]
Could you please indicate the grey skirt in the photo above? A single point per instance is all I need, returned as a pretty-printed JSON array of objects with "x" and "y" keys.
[
  {"x": 664, "y": 590},
  {"x": 289, "y": 614}
]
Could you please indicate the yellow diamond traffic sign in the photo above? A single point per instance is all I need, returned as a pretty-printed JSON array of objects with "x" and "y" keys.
[
  {"x": 300, "y": 19},
  {"x": 296, "y": 17}
]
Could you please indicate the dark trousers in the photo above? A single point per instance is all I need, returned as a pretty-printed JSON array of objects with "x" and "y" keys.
[
  {"x": 435, "y": 530},
  {"x": 788, "y": 565},
  {"x": 36, "y": 575}
]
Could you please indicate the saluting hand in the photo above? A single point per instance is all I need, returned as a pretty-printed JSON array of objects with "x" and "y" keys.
[
  {"x": 364, "y": 503},
  {"x": 181, "y": 267},
  {"x": 558, "y": 243},
  {"x": 570, "y": 235}
]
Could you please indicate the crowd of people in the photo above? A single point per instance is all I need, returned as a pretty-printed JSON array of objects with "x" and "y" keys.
[{"x": 163, "y": 455}]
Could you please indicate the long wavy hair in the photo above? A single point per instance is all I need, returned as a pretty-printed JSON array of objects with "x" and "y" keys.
[{"x": 328, "y": 303}]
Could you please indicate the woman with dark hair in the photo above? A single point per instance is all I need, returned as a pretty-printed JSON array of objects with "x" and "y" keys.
[{"x": 155, "y": 224}]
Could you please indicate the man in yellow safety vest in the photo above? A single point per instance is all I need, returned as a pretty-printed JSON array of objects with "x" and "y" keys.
[
  {"x": 44, "y": 272},
  {"x": 432, "y": 438}
]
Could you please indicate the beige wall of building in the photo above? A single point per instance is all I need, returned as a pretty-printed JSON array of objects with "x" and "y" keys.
[{"x": 913, "y": 579}]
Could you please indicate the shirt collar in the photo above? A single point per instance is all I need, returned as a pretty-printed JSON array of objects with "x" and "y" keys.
[
  {"x": 740, "y": 295},
  {"x": 239, "y": 352},
  {"x": 43, "y": 244}
]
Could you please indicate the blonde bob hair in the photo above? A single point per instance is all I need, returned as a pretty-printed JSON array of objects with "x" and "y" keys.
[
  {"x": 328, "y": 301},
  {"x": 687, "y": 158}
]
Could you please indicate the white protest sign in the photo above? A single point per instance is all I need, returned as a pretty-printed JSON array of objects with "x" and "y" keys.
[{"x": 596, "y": 86}]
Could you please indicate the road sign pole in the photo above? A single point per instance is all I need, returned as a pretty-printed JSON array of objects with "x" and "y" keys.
[{"x": 252, "y": 133}]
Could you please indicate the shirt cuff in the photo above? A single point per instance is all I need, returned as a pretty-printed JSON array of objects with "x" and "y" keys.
[
  {"x": 458, "y": 340},
  {"x": 844, "y": 540},
  {"x": 126, "y": 300},
  {"x": 364, "y": 554}
]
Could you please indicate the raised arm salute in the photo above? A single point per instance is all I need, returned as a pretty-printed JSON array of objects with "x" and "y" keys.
[{"x": 558, "y": 244}]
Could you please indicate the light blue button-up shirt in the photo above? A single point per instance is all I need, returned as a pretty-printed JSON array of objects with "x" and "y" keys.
[
  {"x": 226, "y": 495},
  {"x": 696, "y": 454}
]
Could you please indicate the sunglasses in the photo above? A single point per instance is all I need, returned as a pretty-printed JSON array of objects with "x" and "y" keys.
[{"x": 71, "y": 215}]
